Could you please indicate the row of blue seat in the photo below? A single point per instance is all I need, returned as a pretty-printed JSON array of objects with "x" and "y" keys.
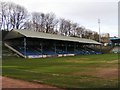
[{"x": 37, "y": 51}]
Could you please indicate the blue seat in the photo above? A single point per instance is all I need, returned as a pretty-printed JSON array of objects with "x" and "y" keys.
[{"x": 50, "y": 51}]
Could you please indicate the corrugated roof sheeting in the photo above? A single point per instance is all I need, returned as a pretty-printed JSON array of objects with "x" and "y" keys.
[{"x": 21, "y": 33}]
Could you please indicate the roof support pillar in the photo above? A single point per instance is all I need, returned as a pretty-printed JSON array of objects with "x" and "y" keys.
[
  {"x": 66, "y": 47},
  {"x": 74, "y": 47},
  {"x": 100, "y": 47},
  {"x": 41, "y": 44},
  {"x": 55, "y": 48},
  {"x": 25, "y": 45}
]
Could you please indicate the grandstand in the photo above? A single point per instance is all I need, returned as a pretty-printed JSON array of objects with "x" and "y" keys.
[
  {"x": 31, "y": 44},
  {"x": 116, "y": 45}
]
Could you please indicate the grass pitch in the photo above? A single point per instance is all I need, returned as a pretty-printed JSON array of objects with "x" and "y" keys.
[{"x": 85, "y": 71}]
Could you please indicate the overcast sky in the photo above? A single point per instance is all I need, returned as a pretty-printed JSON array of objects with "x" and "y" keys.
[{"x": 84, "y": 12}]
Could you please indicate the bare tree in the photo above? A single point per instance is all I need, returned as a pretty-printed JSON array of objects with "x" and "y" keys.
[
  {"x": 80, "y": 31},
  {"x": 38, "y": 20},
  {"x": 12, "y": 16},
  {"x": 3, "y": 17},
  {"x": 68, "y": 27},
  {"x": 74, "y": 27},
  {"x": 50, "y": 22},
  {"x": 29, "y": 25},
  {"x": 62, "y": 26},
  {"x": 96, "y": 36},
  {"x": 65, "y": 27},
  {"x": 44, "y": 22},
  {"x": 18, "y": 17}
]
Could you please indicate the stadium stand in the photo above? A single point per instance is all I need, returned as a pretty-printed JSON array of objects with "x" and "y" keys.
[
  {"x": 116, "y": 45},
  {"x": 31, "y": 44}
]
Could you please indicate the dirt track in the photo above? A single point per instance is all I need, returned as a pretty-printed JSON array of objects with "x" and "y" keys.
[{"x": 15, "y": 83}]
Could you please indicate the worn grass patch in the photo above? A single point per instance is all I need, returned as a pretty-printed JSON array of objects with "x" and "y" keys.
[{"x": 89, "y": 71}]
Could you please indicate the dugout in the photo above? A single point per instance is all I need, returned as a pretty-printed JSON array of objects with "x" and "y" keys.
[{"x": 31, "y": 44}]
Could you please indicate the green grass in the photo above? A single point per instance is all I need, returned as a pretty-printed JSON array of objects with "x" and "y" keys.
[{"x": 64, "y": 72}]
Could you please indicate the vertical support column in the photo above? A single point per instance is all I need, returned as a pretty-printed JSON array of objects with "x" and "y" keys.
[
  {"x": 74, "y": 47},
  {"x": 94, "y": 47},
  {"x": 100, "y": 47},
  {"x": 41, "y": 44},
  {"x": 55, "y": 48},
  {"x": 85, "y": 47},
  {"x": 86, "y": 50},
  {"x": 25, "y": 44},
  {"x": 66, "y": 47}
]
